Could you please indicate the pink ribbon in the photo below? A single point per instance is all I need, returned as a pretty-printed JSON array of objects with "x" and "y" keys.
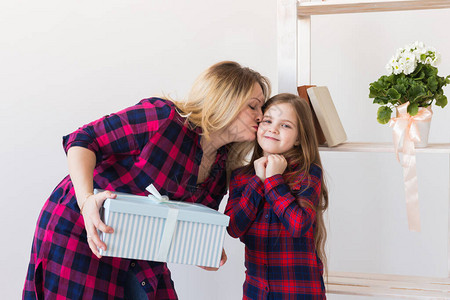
[{"x": 406, "y": 126}]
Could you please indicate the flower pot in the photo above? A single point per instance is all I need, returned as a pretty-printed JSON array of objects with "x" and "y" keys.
[
  {"x": 424, "y": 130},
  {"x": 420, "y": 125}
]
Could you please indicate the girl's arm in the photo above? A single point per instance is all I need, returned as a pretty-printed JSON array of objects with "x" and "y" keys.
[
  {"x": 243, "y": 202},
  {"x": 295, "y": 218}
]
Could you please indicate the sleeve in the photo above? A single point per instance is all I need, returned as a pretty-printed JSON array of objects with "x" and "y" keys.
[
  {"x": 123, "y": 133},
  {"x": 243, "y": 203},
  {"x": 296, "y": 219}
]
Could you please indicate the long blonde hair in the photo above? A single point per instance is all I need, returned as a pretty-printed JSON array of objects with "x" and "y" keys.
[
  {"x": 216, "y": 98},
  {"x": 303, "y": 156}
]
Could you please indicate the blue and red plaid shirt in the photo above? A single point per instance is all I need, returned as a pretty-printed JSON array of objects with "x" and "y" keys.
[
  {"x": 146, "y": 143},
  {"x": 280, "y": 254}
]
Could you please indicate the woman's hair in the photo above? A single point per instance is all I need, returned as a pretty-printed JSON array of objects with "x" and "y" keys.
[
  {"x": 217, "y": 97},
  {"x": 302, "y": 157}
]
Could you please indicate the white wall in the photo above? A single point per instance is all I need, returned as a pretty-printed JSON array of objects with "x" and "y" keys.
[{"x": 65, "y": 63}]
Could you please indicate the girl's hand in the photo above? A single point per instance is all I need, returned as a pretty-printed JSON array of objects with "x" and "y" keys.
[
  {"x": 260, "y": 167},
  {"x": 90, "y": 210},
  {"x": 223, "y": 260},
  {"x": 276, "y": 164}
]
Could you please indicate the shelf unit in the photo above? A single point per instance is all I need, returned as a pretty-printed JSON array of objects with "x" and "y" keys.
[
  {"x": 294, "y": 68},
  {"x": 365, "y": 284},
  {"x": 384, "y": 147}
]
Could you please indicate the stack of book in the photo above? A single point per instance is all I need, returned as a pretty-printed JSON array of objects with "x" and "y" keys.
[{"x": 329, "y": 129}]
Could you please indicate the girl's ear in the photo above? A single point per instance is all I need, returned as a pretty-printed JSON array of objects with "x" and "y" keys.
[{"x": 297, "y": 143}]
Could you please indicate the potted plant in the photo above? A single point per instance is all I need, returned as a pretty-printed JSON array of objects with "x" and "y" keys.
[{"x": 412, "y": 81}]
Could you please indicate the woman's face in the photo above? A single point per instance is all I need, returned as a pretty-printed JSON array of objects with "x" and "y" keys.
[
  {"x": 246, "y": 124},
  {"x": 278, "y": 131}
]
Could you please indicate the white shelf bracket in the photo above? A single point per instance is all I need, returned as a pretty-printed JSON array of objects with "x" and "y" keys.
[
  {"x": 448, "y": 220},
  {"x": 287, "y": 46},
  {"x": 304, "y": 50}
]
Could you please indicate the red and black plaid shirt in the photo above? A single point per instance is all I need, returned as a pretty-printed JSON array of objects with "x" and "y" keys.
[
  {"x": 280, "y": 254},
  {"x": 146, "y": 143}
]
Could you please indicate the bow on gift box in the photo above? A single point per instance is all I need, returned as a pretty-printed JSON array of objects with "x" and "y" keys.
[
  {"x": 406, "y": 125},
  {"x": 171, "y": 221},
  {"x": 157, "y": 196}
]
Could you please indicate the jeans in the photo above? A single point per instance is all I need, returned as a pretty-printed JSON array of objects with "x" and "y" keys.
[{"x": 133, "y": 288}]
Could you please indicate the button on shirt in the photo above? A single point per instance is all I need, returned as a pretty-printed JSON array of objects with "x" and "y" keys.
[
  {"x": 280, "y": 254},
  {"x": 143, "y": 144}
]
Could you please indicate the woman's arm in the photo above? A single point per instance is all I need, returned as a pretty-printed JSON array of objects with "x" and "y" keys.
[
  {"x": 120, "y": 134},
  {"x": 295, "y": 218},
  {"x": 81, "y": 168},
  {"x": 243, "y": 203}
]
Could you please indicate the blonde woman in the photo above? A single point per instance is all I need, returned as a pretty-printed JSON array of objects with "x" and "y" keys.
[{"x": 183, "y": 148}]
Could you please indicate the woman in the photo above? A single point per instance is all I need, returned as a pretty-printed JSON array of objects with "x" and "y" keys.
[{"x": 184, "y": 149}]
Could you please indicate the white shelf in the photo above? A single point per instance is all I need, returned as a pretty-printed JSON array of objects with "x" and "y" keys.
[
  {"x": 294, "y": 68},
  {"x": 384, "y": 147},
  {"x": 348, "y": 283},
  {"x": 355, "y": 6}
]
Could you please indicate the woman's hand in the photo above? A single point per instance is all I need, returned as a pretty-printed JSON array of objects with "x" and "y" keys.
[
  {"x": 276, "y": 164},
  {"x": 223, "y": 260},
  {"x": 260, "y": 167},
  {"x": 90, "y": 209}
]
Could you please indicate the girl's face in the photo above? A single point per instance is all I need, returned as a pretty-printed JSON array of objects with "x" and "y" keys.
[
  {"x": 246, "y": 124},
  {"x": 278, "y": 131}
]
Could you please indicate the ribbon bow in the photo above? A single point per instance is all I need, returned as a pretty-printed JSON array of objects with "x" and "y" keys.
[
  {"x": 405, "y": 125},
  {"x": 157, "y": 196},
  {"x": 169, "y": 225}
]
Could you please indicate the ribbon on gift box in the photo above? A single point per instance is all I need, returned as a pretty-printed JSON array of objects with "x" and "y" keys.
[
  {"x": 406, "y": 125},
  {"x": 171, "y": 219},
  {"x": 170, "y": 224}
]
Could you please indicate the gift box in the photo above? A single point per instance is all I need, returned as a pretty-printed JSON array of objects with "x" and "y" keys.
[{"x": 147, "y": 228}]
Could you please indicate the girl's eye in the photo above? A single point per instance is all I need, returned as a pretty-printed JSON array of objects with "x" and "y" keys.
[
  {"x": 252, "y": 107},
  {"x": 267, "y": 121},
  {"x": 285, "y": 126}
]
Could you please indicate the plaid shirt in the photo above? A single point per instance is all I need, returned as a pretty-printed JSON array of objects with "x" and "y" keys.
[
  {"x": 280, "y": 254},
  {"x": 146, "y": 143}
]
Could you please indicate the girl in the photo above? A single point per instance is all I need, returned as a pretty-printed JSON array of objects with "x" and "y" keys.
[
  {"x": 180, "y": 147},
  {"x": 276, "y": 206}
]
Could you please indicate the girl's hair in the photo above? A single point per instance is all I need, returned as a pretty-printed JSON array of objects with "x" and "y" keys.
[
  {"x": 217, "y": 97},
  {"x": 302, "y": 157}
]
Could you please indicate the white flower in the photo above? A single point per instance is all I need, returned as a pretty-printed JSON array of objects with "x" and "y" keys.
[
  {"x": 406, "y": 59},
  {"x": 437, "y": 59},
  {"x": 417, "y": 45},
  {"x": 390, "y": 65},
  {"x": 397, "y": 68},
  {"x": 408, "y": 63},
  {"x": 418, "y": 53},
  {"x": 398, "y": 53}
]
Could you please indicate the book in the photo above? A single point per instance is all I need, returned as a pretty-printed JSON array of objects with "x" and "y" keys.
[
  {"x": 327, "y": 115},
  {"x": 302, "y": 93}
]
